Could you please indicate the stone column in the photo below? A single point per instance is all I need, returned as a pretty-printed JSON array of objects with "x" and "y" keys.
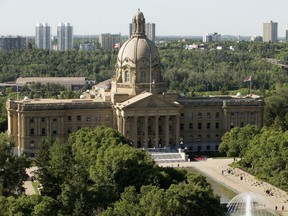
[
  {"x": 146, "y": 130},
  {"x": 120, "y": 126},
  {"x": 124, "y": 125},
  {"x": 156, "y": 131},
  {"x": 167, "y": 130},
  {"x": 177, "y": 129},
  {"x": 135, "y": 126}
]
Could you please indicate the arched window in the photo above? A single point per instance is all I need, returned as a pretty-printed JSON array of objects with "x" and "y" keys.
[{"x": 127, "y": 76}]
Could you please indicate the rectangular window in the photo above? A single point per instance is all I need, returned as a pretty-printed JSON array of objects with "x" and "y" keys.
[
  {"x": 78, "y": 118},
  {"x": 43, "y": 119},
  {"x": 208, "y": 125},
  {"x": 31, "y": 131},
  {"x": 182, "y": 116},
  {"x": 232, "y": 115},
  {"x": 190, "y": 125},
  {"x": 199, "y": 115},
  {"x": 217, "y": 125},
  {"x": 69, "y": 129},
  {"x": 88, "y": 118},
  {"x": 199, "y": 126},
  {"x": 208, "y": 115},
  {"x": 31, "y": 120},
  {"x": 98, "y": 118},
  {"x": 181, "y": 126},
  {"x": 54, "y": 132},
  {"x": 54, "y": 119},
  {"x": 43, "y": 131},
  {"x": 217, "y": 114},
  {"x": 69, "y": 118},
  {"x": 107, "y": 117}
]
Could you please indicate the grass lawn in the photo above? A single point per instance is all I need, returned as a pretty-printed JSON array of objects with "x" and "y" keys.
[{"x": 35, "y": 185}]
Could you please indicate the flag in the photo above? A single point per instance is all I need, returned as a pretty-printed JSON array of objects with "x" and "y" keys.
[
  {"x": 247, "y": 79},
  {"x": 116, "y": 45}
]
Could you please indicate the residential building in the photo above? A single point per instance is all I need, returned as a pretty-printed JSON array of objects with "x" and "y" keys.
[
  {"x": 13, "y": 43},
  {"x": 211, "y": 37},
  {"x": 108, "y": 41},
  {"x": 150, "y": 31},
  {"x": 87, "y": 46},
  {"x": 43, "y": 36},
  {"x": 64, "y": 36},
  {"x": 270, "y": 31},
  {"x": 135, "y": 103}
]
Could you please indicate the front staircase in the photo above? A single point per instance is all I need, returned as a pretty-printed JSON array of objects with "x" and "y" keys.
[{"x": 167, "y": 155}]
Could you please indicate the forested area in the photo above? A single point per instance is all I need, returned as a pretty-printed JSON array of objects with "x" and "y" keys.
[
  {"x": 97, "y": 173},
  {"x": 184, "y": 70}
]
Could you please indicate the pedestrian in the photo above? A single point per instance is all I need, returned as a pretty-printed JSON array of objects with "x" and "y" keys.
[
  {"x": 282, "y": 207},
  {"x": 276, "y": 208}
]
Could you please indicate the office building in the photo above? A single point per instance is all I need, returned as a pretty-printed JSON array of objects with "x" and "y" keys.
[
  {"x": 270, "y": 31},
  {"x": 135, "y": 103},
  {"x": 208, "y": 38},
  {"x": 13, "y": 43},
  {"x": 64, "y": 36},
  {"x": 43, "y": 36},
  {"x": 109, "y": 41}
]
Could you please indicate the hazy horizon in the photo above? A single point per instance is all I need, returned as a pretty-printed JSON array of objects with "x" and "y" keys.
[{"x": 182, "y": 18}]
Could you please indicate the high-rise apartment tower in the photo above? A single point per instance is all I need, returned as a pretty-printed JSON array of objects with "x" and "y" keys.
[
  {"x": 64, "y": 36},
  {"x": 43, "y": 36},
  {"x": 270, "y": 31}
]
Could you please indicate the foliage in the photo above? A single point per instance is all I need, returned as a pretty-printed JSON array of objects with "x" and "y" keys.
[
  {"x": 276, "y": 107},
  {"x": 266, "y": 154},
  {"x": 234, "y": 143},
  {"x": 191, "y": 198},
  {"x": 97, "y": 169},
  {"x": 12, "y": 168},
  {"x": 3, "y": 115}
]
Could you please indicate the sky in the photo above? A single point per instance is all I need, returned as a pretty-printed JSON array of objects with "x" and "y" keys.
[{"x": 172, "y": 17}]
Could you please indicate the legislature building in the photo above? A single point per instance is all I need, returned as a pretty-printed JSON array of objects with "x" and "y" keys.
[{"x": 135, "y": 103}]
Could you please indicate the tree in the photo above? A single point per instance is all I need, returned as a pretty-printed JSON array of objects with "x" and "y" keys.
[
  {"x": 234, "y": 143},
  {"x": 12, "y": 168}
]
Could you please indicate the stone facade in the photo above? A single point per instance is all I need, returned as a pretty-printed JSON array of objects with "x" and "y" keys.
[{"x": 135, "y": 103}]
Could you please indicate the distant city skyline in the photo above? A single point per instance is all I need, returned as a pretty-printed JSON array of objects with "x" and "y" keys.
[{"x": 182, "y": 18}]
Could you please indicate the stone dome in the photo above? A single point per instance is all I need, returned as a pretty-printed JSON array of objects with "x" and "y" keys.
[
  {"x": 138, "y": 63},
  {"x": 138, "y": 51}
]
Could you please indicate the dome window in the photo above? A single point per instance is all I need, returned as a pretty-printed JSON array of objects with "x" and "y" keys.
[{"x": 127, "y": 76}]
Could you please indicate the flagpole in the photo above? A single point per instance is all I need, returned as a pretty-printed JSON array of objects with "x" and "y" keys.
[
  {"x": 250, "y": 87},
  {"x": 150, "y": 75}
]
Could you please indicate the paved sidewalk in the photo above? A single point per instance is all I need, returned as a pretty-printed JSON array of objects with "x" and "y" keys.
[
  {"x": 29, "y": 190},
  {"x": 217, "y": 169}
]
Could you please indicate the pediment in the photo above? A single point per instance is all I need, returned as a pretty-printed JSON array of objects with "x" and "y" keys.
[{"x": 148, "y": 100}]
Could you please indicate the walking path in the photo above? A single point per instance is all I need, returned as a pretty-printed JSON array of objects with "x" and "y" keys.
[
  {"x": 219, "y": 170},
  {"x": 29, "y": 189}
]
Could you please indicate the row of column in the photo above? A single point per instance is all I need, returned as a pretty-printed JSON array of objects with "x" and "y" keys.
[{"x": 129, "y": 126}]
